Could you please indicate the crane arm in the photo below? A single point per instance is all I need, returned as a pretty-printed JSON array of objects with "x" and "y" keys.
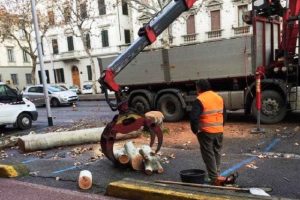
[{"x": 147, "y": 35}]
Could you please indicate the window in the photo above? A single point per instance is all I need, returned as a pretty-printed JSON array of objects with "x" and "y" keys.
[
  {"x": 0, "y": 78},
  {"x": 83, "y": 10},
  {"x": 14, "y": 78},
  {"x": 89, "y": 72},
  {"x": 87, "y": 41},
  {"x": 67, "y": 14},
  {"x": 47, "y": 76},
  {"x": 28, "y": 79},
  {"x": 101, "y": 7},
  {"x": 25, "y": 57},
  {"x": 10, "y": 54},
  {"x": 51, "y": 17},
  {"x": 70, "y": 43},
  {"x": 241, "y": 10},
  {"x": 124, "y": 8},
  {"x": 215, "y": 20},
  {"x": 127, "y": 36},
  {"x": 59, "y": 75},
  {"x": 36, "y": 90},
  {"x": 55, "y": 46},
  {"x": 190, "y": 25},
  {"x": 105, "y": 42}
]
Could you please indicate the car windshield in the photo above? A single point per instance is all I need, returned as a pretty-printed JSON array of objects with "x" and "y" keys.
[
  {"x": 55, "y": 89},
  {"x": 60, "y": 88},
  {"x": 87, "y": 87}
]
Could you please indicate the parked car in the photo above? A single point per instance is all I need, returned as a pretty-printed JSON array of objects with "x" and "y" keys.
[
  {"x": 87, "y": 88},
  {"x": 57, "y": 95},
  {"x": 75, "y": 89},
  {"x": 14, "y": 109}
]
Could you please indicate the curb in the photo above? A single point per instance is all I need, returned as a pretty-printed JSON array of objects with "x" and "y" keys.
[
  {"x": 142, "y": 190},
  {"x": 11, "y": 171}
]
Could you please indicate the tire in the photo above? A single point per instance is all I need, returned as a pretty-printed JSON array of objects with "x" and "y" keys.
[
  {"x": 55, "y": 102},
  {"x": 24, "y": 121},
  {"x": 171, "y": 107},
  {"x": 140, "y": 104},
  {"x": 273, "y": 107}
]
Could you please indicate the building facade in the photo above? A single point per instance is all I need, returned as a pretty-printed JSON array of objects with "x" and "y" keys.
[
  {"x": 115, "y": 26},
  {"x": 15, "y": 65}
]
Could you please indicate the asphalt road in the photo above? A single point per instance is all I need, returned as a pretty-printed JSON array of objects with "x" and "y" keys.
[{"x": 279, "y": 170}]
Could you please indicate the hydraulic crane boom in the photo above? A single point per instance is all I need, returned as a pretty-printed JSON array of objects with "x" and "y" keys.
[
  {"x": 128, "y": 120},
  {"x": 147, "y": 35}
]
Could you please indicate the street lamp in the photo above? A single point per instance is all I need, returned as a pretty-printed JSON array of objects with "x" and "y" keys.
[{"x": 40, "y": 54}]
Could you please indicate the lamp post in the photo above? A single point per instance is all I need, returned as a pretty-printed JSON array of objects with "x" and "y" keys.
[{"x": 40, "y": 54}]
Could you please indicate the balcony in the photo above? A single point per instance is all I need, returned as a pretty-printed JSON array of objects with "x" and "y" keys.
[
  {"x": 190, "y": 37},
  {"x": 241, "y": 30},
  {"x": 69, "y": 56},
  {"x": 214, "y": 34}
]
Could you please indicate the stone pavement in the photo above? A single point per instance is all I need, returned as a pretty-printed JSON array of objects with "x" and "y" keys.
[{"x": 16, "y": 190}]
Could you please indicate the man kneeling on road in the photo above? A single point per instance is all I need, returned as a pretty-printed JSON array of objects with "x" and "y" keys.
[{"x": 207, "y": 122}]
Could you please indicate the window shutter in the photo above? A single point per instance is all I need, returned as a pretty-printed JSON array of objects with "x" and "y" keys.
[
  {"x": 190, "y": 29},
  {"x": 215, "y": 20}
]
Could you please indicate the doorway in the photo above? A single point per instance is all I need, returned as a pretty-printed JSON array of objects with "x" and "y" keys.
[{"x": 75, "y": 76}]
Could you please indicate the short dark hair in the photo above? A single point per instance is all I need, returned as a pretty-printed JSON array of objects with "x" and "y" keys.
[{"x": 203, "y": 85}]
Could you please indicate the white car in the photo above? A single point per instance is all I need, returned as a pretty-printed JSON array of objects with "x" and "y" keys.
[
  {"x": 15, "y": 110},
  {"x": 57, "y": 95},
  {"x": 87, "y": 88}
]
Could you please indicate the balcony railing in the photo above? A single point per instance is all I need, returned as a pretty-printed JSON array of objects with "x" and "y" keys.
[
  {"x": 190, "y": 37},
  {"x": 214, "y": 34},
  {"x": 241, "y": 30}
]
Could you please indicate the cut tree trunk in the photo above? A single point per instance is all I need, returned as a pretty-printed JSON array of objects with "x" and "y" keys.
[
  {"x": 136, "y": 159},
  {"x": 36, "y": 142},
  {"x": 121, "y": 156},
  {"x": 151, "y": 161}
]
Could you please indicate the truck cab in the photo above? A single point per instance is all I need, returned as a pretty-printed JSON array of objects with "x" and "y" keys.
[{"x": 15, "y": 109}]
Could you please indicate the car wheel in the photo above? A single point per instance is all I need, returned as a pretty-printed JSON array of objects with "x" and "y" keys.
[
  {"x": 55, "y": 102},
  {"x": 24, "y": 121},
  {"x": 273, "y": 108},
  {"x": 140, "y": 104},
  {"x": 171, "y": 107}
]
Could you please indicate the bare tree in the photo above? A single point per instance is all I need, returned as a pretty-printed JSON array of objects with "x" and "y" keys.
[
  {"x": 79, "y": 17},
  {"x": 16, "y": 24}
]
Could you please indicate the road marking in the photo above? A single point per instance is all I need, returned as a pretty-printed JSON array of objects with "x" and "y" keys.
[
  {"x": 65, "y": 169},
  {"x": 30, "y": 160},
  {"x": 244, "y": 162}
]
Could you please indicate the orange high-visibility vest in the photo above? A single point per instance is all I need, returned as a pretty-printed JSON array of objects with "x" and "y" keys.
[{"x": 211, "y": 119}]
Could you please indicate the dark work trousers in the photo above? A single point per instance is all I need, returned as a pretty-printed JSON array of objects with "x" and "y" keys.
[{"x": 210, "y": 146}]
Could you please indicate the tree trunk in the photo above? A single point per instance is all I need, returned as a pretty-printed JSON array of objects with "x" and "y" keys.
[
  {"x": 151, "y": 161},
  {"x": 33, "y": 70},
  {"x": 136, "y": 160},
  {"x": 36, "y": 142},
  {"x": 121, "y": 156}
]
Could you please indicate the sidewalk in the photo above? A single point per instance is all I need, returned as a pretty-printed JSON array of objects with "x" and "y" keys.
[
  {"x": 94, "y": 97},
  {"x": 17, "y": 190}
]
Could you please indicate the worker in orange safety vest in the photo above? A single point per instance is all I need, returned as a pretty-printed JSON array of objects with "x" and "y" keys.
[{"x": 207, "y": 122}]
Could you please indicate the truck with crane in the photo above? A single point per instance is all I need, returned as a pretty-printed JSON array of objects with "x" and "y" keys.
[
  {"x": 164, "y": 79},
  {"x": 276, "y": 92}
]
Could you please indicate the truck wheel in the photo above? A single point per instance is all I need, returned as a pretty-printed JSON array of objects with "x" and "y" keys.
[
  {"x": 140, "y": 104},
  {"x": 273, "y": 108},
  {"x": 55, "y": 102},
  {"x": 24, "y": 121},
  {"x": 171, "y": 107}
]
